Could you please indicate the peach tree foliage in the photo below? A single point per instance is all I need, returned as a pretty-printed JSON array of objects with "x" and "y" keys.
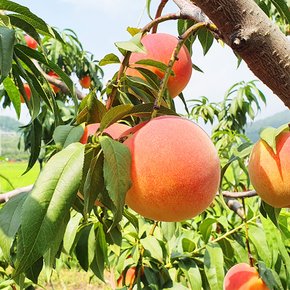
[{"x": 52, "y": 222}]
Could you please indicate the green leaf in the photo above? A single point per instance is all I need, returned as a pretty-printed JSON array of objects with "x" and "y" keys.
[
  {"x": 24, "y": 25},
  {"x": 191, "y": 273},
  {"x": 213, "y": 266},
  {"x": 241, "y": 253},
  {"x": 283, "y": 9},
  {"x": 94, "y": 183},
  {"x": 70, "y": 232},
  {"x": 117, "y": 173},
  {"x": 150, "y": 62},
  {"x": 36, "y": 135},
  {"x": 168, "y": 230},
  {"x": 49, "y": 201},
  {"x": 206, "y": 39},
  {"x": 25, "y": 13},
  {"x": 152, "y": 247},
  {"x": 42, "y": 59},
  {"x": 270, "y": 134},
  {"x": 7, "y": 39},
  {"x": 13, "y": 94},
  {"x": 109, "y": 59},
  {"x": 195, "y": 67},
  {"x": 271, "y": 212},
  {"x": 188, "y": 245},
  {"x": 101, "y": 250},
  {"x": 66, "y": 134},
  {"x": 33, "y": 272},
  {"x": 258, "y": 239},
  {"x": 10, "y": 216},
  {"x": 133, "y": 45},
  {"x": 271, "y": 278},
  {"x": 84, "y": 252},
  {"x": 133, "y": 30},
  {"x": 148, "y": 3},
  {"x": 113, "y": 115},
  {"x": 206, "y": 228}
]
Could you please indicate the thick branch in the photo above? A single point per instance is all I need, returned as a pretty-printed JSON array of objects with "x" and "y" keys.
[{"x": 252, "y": 35}]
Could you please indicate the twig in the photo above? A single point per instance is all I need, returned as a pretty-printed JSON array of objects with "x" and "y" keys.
[
  {"x": 8, "y": 195},
  {"x": 240, "y": 194},
  {"x": 4, "y": 197},
  {"x": 158, "y": 13},
  {"x": 251, "y": 259},
  {"x": 58, "y": 83}
]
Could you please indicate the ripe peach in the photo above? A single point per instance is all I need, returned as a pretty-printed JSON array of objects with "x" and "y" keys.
[
  {"x": 30, "y": 42},
  {"x": 243, "y": 277},
  {"x": 128, "y": 278},
  {"x": 54, "y": 87},
  {"x": 270, "y": 172},
  {"x": 160, "y": 47},
  {"x": 28, "y": 93},
  {"x": 115, "y": 131},
  {"x": 85, "y": 82},
  {"x": 175, "y": 169}
]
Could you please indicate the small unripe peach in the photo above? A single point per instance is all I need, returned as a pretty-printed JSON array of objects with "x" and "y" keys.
[
  {"x": 175, "y": 169},
  {"x": 270, "y": 172},
  {"x": 243, "y": 277}
]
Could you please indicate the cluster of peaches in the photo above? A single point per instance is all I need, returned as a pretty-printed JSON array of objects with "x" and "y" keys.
[
  {"x": 85, "y": 81},
  {"x": 175, "y": 168}
]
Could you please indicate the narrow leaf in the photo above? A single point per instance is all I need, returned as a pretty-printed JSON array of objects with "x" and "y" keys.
[{"x": 117, "y": 171}]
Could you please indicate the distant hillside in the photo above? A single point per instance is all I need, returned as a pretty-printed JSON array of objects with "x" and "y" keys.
[
  {"x": 8, "y": 124},
  {"x": 253, "y": 130}
]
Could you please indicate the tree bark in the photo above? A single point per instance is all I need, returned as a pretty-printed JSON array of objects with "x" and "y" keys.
[{"x": 252, "y": 35}]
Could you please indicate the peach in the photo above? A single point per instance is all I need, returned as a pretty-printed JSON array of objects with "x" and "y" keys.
[
  {"x": 160, "y": 47},
  {"x": 28, "y": 93},
  {"x": 270, "y": 172},
  {"x": 85, "y": 82},
  {"x": 175, "y": 169},
  {"x": 115, "y": 131},
  {"x": 243, "y": 277},
  {"x": 30, "y": 42},
  {"x": 54, "y": 87}
]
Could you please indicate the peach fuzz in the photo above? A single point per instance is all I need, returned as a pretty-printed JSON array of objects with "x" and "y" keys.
[
  {"x": 270, "y": 172},
  {"x": 175, "y": 169},
  {"x": 243, "y": 277},
  {"x": 160, "y": 47},
  {"x": 115, "y": 131}
]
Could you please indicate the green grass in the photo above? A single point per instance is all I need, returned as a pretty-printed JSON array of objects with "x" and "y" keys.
[{"x": 12, "y": 171}]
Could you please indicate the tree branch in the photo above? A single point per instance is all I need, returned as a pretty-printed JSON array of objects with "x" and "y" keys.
[
  {"x": 253, "y": 36},
  {"x": 4, "y": 197},
  {"x": 58, "y": 83},
  {"x": 189, "y": 10}
]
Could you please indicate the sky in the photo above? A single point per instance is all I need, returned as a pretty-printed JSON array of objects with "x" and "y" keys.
[{"x": 101, "y": 23}]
